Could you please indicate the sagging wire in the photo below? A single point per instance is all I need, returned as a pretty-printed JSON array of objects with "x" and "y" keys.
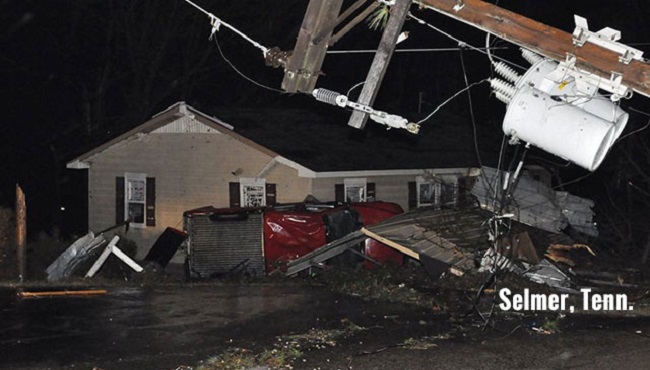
[
  {"x": 577, "y": 179},
  {"x": 638, "y": 188},
  {"x": 502, "y": 153},
  {"x": 354, "y": 87},
  {"x": 553, "y": 163},
  {"x": 471, "y": 107},
  {"x": 500, "y": 224},
  {"x": 637, "y": 130},
  {"x": 241, "y": 73},
  {"x": 487, "y": 47},
  {"x": 467, "y": 87},
  {"x": 460, "y": 42},
  {"x": 499, "y": 227},
  {"x": 216, "y": 23}
]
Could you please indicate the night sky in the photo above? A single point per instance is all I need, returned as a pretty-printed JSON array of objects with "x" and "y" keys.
[{"x": 75, "y": 73}]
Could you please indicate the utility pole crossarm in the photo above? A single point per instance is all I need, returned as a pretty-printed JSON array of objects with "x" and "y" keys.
[
  {"x": 545, "y": 40},
  {"x": 398, "y": 13}
]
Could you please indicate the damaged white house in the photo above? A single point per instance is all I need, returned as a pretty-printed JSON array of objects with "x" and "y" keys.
[{"x": 182, "y": 159}]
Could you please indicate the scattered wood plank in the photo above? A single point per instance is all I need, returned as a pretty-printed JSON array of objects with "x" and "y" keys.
[{"x": 59, "y": 293}]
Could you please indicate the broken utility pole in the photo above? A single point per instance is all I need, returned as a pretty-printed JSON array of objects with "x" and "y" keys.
[
  {"x": 597, "y": 57},
  {"x": 303, "y": 67},
  {"x": 21, "y": 232},
  {"x": 398, "y": 13},
  {"x": 547, "y": 41}
]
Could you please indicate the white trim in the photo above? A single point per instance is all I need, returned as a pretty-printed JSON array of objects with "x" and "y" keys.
[
  {"x": 355, "y": 181},
  {"x": 302, "y": 170},
  {"x": 468, "y": 171},
  {"x": 359, "y": 182},
  {"x": 268, "y": 168},
  {"x": 183, "y": 110},
  {"x": 77, "y": 165},
  {"x": 308, "y": 173},
  {"x": 129, "y": 176},
  {"x": 135, "y": 137}
]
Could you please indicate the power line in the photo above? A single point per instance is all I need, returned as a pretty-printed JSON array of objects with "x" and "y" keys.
[
  {"x": 216, "y": 23},
  {"x": 241, "y": 73},
  {"x": 462, "y": 43},
  {"x": 451, "y": 98},
  {"x": 420, "y": 50}
]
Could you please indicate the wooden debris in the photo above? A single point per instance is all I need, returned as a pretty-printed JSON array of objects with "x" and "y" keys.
[{"x": 59, "y": 293}]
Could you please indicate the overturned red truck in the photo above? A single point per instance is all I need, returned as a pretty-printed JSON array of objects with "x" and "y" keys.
[{"x": 254, "y": 241}]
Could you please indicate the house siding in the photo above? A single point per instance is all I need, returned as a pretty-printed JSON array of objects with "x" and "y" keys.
[
  {"x": 387, "y": 188},
  {"x": 191, "y": 170}
]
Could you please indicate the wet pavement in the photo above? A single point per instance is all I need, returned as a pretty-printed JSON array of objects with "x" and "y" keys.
[
  {"x": 165, "y": 327},
  {"x": 139, "y": 328}
]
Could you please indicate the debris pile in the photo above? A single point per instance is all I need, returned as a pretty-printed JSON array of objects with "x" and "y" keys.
[{"x": 535, "y": 202}]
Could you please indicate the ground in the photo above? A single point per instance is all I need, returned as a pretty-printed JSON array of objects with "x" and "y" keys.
[{"x": 380, "y": 320}]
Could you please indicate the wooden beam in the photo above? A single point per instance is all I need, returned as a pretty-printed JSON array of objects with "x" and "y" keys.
[
  {"x": 303, "y": 67},
  {"x": 343, "y": 16},
  {"x": 398, "y": 13},
  {"x": 545, "y": 40},
  {"x": 59, "y": 293},
  {"x": 409, "y": 252},
  {"x": 352, "y": 23}
]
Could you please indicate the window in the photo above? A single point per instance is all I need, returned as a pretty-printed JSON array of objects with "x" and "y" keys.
[
  {"x": 135, "y": 199},
  {"x": 354, "y": 190},
  {"x": 251, "y": 192},
  {"x": 433, "y": 191},
  {"x": 428, "y": 193}
]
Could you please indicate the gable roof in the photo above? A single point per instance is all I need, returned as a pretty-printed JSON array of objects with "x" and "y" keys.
[
  {"x": 159, "y": 121},
  {"x": 316, "y": 144}
]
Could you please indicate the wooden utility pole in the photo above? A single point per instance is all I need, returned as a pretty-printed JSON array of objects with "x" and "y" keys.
[
  {"x": 303, "y": 67},
  {"x": 21, "y": 232},
  {"x": 398, "y": 13},
  {"x": 545, "y": 40}
]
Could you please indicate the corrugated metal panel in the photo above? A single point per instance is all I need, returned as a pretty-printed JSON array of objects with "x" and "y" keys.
[
  {"x": 222, "y": 247},
  {"x": 185, "y": 125},
  {"x": 538, "y": 205}
]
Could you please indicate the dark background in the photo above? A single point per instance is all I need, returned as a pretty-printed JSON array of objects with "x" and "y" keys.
[{"x": 76, "y": 73}]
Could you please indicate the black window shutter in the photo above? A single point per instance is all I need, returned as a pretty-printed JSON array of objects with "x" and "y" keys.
[
  {"x": 119, "y": 200},
  {"x": 234, "y": 194},
  {"x": 465, "y": 184},
  {"x": 271, "y": 198},
  {"x": 413, "y": 195},
  {"x": 339, "y": 193},
  {"x": 150, "y": 212},
  {"x": 370, "y": 188}
]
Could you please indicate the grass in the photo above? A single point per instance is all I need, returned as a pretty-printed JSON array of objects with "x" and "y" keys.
[
  {"x": 387, "y": 284},
  {"x": 284, "y": 353}
]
